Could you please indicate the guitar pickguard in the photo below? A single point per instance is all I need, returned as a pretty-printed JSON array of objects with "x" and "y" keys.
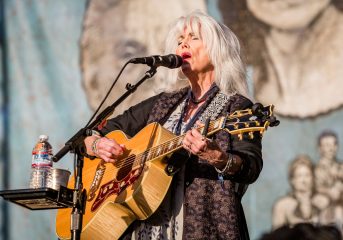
[
  {"x": 115, "y": 187},
  {"x": 99, "y": 173}
]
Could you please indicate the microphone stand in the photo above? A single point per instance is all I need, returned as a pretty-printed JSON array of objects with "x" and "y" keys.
[{"x": 76, "y": 145}]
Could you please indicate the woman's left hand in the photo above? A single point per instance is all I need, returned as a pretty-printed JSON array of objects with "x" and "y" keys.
[{"x": 206, "y": 149}]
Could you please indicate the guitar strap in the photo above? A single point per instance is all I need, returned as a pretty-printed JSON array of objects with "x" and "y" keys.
[
  {"x": 212, "y": 111},
  {"x": 216, "y": 106}
]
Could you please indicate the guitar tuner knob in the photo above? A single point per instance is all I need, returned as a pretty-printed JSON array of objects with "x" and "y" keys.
[
  {"x": 273, "y": 121},
  {"x": 240, "y": 136},
  {"x": 251, "y": 135},
  {"x": 257, "y": 110},
  {"x": 170, "y": 169}
]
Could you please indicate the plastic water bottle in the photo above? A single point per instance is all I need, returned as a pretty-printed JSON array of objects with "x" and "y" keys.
[{"x": 41, "y": 163}]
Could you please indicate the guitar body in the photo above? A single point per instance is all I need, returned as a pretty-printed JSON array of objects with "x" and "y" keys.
[
  {"x": 119, "y": 193},
  {"x": 135, "y": 186}
]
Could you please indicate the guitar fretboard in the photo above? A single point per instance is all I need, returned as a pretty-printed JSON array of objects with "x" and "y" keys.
[
  {"x": 175, "y": 143},
  {"x": 238, "y": 123},
  {"x": 167, "y": 147}
]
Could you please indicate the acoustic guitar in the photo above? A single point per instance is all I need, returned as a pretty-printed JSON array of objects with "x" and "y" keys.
[{"x": 134, "y": 187}]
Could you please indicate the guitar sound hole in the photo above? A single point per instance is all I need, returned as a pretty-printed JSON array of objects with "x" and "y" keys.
[{"x": 126, "y": 168}]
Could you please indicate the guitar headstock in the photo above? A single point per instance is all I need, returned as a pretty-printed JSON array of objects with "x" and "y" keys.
[{"x": 248, "y": 121}]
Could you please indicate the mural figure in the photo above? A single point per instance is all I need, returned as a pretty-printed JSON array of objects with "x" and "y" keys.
[
  {"x": 317, "y": 191},
  {"x": 295, "y": 48},
  {"x": 303, "y": 231},
  {"x": 301, "y": 203},
  {"x": 115, "y": 31},
  {"x": 328, "y": 178}
]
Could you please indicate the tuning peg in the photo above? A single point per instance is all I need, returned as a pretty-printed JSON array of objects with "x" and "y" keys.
[
  {"x": 257, "y": 109},
  {"x": 251, "y": 135},
  {"x": 240, "y": 136},
  {"x": 273, "y": 121}
]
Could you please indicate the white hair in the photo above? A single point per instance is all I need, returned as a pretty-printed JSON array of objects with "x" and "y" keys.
[{"x": 222, "y": 46}]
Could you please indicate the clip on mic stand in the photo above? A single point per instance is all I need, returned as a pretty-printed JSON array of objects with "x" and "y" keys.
[{"x": 76, "y": 145}]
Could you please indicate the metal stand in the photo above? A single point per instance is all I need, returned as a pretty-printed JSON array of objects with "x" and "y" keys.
[
  {"x": 78, "y": 200},
  {"x": 40, "y": 198},
  {"x": 76, "y": 145}
]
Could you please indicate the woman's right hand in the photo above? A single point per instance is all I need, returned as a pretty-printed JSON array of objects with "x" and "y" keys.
[{"x": 107, "y": 149}]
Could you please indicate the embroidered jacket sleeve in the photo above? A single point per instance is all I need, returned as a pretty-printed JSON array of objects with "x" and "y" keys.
[
  {"x": 250, "y": 150},
  {"x": 132, "y": 120}
]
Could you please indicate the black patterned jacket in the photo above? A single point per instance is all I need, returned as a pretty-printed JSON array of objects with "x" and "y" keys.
[{"x": 210, "y": 210}]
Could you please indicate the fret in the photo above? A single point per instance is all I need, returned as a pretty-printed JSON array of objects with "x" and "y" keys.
[
  {"x": 160, "y": 150},
  {"x": 168, "y": 146},
  {"x": 171, "y": 145},
  {"x": 148, "y": 156},
  {"x": 179, "y": 142},
  {"x": 165, "y": 148},
  {"x": 156, "y": 151},
  {"x": 152, "y": 153}
]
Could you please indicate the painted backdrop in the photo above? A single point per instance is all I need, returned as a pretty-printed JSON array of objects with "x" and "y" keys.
[{"x": 58, "y": 57}]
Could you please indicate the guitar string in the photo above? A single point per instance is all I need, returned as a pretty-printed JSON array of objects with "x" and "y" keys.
[
  {"x": 153, "y": 150},
  {"x": 128, "y": 161},
  {"x": 160, "y": 147},
  {"x": 166, "y": 145},
  {"x": 135, "y": 160},
  {"x": 175, "y": 142}
]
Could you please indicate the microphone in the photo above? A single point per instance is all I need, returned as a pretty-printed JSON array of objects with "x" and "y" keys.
[{"x": 169, "y": 61}]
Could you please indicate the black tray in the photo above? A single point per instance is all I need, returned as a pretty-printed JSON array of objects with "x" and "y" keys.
[{"x": 40, "y": 198}]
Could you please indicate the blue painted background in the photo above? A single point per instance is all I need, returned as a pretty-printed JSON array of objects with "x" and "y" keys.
[{"x": 45, "y": 95}]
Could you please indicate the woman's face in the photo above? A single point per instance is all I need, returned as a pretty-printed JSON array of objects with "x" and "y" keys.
[
  {"x": 194, "y": 54},
  {"x": 115, "y": 31},
  {"x": 287, "y": 14},
  {"x": 302, "y": 180}
]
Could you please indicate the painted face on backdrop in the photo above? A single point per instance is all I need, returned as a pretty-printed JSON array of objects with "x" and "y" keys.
[
  {"x": 193, "y": 52},
  {"x": 118, "y": 30},
  {"x": 302, "y": 178},
  {"x": 287, "y": 14},
  {"x": 294, "y": 48},
  {"x": 328, "y": 147}
]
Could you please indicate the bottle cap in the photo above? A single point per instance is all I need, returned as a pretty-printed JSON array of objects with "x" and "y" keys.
[{"x": 43, "y": 138}]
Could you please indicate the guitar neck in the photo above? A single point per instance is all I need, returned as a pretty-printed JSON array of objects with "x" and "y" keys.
[
  {"x": 237, "y": 123},
  {"x": 175, "y": 143}
]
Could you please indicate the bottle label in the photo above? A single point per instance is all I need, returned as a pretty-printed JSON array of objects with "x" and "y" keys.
[
  {"x": 41, "y": 159},
  {"x": 42, "y": 155}
]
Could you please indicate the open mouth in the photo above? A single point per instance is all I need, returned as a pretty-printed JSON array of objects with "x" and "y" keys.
[{"x": 186, "y": 55}]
